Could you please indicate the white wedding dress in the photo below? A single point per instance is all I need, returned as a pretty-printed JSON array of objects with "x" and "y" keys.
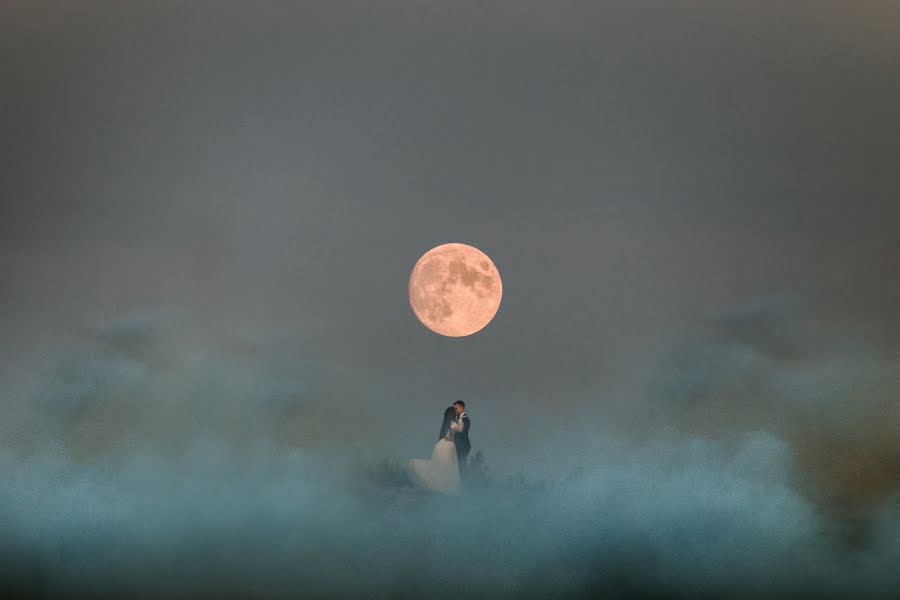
[{"x": 440, "y": 473}]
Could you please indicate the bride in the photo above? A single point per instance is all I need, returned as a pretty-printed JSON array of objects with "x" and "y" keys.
[{"x": 440, "y": 473}]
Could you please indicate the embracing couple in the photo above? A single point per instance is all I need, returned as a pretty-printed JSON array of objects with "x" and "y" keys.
[{"x": 446, "y": 469}]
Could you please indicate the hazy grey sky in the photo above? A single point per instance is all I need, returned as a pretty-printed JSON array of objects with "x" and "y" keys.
[{"x": 280, "y": 166}]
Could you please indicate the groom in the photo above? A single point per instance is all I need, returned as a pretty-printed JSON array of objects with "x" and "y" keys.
[{"x": 461, "y": 438}]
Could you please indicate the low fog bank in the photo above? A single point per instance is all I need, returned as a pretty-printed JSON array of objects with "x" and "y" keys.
[
  {"x": 685, "y": 520},
  {"x": 148, "y": 454},
  {"x": 817, "y": 366}
]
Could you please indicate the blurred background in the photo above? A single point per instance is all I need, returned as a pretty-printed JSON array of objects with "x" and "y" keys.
[{"x": 209, "y": 213}]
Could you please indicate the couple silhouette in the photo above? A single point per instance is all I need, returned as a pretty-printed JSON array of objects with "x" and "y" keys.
[{"x": 445, "y": 471}]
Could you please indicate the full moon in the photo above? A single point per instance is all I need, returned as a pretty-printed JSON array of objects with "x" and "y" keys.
[{"x": 455, "y": 289}]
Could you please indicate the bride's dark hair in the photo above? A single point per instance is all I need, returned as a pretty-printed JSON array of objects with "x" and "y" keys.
[{"x": 449, "y": 415}]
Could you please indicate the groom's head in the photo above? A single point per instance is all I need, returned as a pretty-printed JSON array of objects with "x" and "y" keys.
[{"x": 459, "y": 406}]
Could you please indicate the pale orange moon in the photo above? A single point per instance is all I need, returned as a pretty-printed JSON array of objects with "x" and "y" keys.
[{"x": 455, "y": 289}]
